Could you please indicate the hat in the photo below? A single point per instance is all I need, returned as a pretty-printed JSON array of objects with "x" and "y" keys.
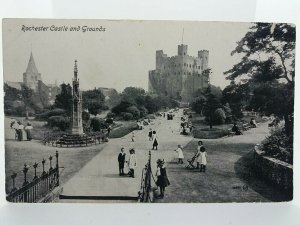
[
  {"x": 132, "y": 150},
  {"x": 159, "y": 161}
]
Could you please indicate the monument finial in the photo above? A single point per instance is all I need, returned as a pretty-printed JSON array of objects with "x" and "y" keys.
[{"x": 75, "y": 70}]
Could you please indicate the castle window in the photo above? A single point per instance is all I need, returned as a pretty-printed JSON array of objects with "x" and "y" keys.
[
  {"x": 184, "y": 64},
  {"x": 198, "y": 67},
  {"x": 184, "y": 73},
  {"x": 190, "y": 65}
]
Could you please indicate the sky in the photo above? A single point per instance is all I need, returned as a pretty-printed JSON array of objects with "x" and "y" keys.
[{"x": 117, "y": 58}]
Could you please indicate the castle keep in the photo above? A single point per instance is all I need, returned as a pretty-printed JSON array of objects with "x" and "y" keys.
[{"x": 179, "y": 76}]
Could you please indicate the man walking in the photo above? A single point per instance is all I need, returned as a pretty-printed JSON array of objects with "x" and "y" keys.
[{"x": 121, "y": 160}]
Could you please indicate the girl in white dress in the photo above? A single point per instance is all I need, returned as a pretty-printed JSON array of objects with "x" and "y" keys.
[
  {"x": 203, "y": 157},
  {"x": 180, "y": 155}
]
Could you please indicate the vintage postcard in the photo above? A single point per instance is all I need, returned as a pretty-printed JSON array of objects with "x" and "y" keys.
[{"x": 124, "y": 111}]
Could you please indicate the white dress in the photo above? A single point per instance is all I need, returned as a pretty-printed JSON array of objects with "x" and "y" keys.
[
  {"x": 203, "y": 158},
  {"x": 132, "y": 161},
  {"x": 180, "y": 153},
  {"x": 198, "y": 154}
]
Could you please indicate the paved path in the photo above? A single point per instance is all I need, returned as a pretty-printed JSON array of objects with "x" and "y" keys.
[{"x": 99, "y": 178}]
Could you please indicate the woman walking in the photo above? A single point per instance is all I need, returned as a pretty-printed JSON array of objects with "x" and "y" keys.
[
  {"x": 150, "y": 135},
  {"x": 155, "y": 143},
  {"x": 162, "y": 179}
]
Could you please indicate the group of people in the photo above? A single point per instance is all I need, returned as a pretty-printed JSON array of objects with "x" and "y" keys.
[
  {"x": 21, "y": 130},
  {"x": 237, "y": 131},
  {"x": 200, "y": 157},
  {"x": 131, "y": 162},
  {"x": 153, "y": 137},
  {"x": 186, "y": 126}
]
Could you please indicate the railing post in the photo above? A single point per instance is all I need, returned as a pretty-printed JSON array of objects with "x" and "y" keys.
[
  {"x": 43, "y": 163},
  {"x": 25, "y": 195},
  {"x": 25, "y": 170},
  {"x": 35, "y": 166},
  {"x": 57, "y": 168},
  {"x": 13, "y": 177},
  {"x": 50, "y": 159}
]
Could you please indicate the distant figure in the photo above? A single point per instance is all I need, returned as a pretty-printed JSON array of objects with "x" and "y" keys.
[
  {"x": 28, "y": 129},
  {"x": 132, "y": 136},
  {"x": 121, "y": 161},
  {"x": 20, "y": 131},
  {"x": 203, "y": 160},
  {"x": 150, "y": 135},
  {"x": 155, "y": 143},
  {"x": 108, "y": 130},
  {"x": 253, "y": 123},
  {"x": 236, "y": 129},
  {"x": 198, "y": 154},
  {"x": 180, "y": 154},
  {"x": 162, "y": 179},
  {"x": 132, "y": 162}
]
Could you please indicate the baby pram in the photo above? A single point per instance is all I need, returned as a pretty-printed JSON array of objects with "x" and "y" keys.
[{"x": 191, "y": 163}]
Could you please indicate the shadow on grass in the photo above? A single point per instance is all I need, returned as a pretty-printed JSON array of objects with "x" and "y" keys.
[{"x": 244, "y": 169}]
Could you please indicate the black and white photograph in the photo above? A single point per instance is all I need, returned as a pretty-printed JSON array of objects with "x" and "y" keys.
[{"x": 141, "y": 111}]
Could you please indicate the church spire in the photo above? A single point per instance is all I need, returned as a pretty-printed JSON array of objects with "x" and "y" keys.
[{"x": 31, "y": 68}]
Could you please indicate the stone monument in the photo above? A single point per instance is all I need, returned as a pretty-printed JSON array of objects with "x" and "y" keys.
[{"x": 77, "y": 127}]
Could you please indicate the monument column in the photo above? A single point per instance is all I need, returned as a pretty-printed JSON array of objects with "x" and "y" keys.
[{"x": 77, "y": 105}]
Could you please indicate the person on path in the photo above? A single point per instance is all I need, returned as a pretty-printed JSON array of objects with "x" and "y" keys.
[
  {"x": 180, "y": 154},
  {"x": 162, "y": 179},
  {"x": 20, "y": 131},
  {"x": 132, "y": 162},
  {"x": 236, "y": 129},
  {"x": 203, "y": 161},
  {"x": 121, "y": 161},
  {"x": 28, "y": 129},
  {"x": 198, "y": 154},
  {"x": 155, "y": 143},
  {"x": 150, "y": 135},
  {"x": 132, "y": 136},
  {"x": 253, "y": 123}
]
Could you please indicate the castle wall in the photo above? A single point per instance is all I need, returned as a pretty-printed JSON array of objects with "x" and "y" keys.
[{"x": 178, "y": 76}]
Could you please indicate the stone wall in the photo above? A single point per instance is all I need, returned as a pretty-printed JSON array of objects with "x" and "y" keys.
[{"x": 275, "y": 172}]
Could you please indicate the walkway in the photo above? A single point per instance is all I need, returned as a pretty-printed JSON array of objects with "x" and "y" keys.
[{"x": 99, "y": 179}]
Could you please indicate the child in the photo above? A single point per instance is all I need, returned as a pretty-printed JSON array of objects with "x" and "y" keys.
[
  {"x": 132, "y": 162},
  {"x": 180, "y": 154},
  {"x": 162, "y": 179},
  {"x": 203, "y": 157},
  {"x": 150, "y": 135},
  {"x": 155, "y": 143}
]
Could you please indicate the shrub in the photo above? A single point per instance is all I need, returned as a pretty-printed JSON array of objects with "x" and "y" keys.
[
  {"x": 97, "y": 124},
  {"x": 85, "y": 116},
  {"x": 50, "y": 113},
  {"x": 143, "y": 112},
  {"x": 61, "y": 122},
  {"x": 110, "y": 115},
  {"x": 134, "y": 111},
  {"x": 219, "y": 116},
  {"x": 127, "y": 116},
  {"x": 277, "y": 145},
  {"x": 109, "y": 121}
]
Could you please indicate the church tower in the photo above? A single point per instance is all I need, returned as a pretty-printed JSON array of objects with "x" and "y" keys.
[
  {"x": 77, "y": 104},
  {"x": 31, "y": 77}
]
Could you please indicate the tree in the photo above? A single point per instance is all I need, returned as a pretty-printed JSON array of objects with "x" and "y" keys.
[
  {"x": 198, "y": 105},
  {"x": 267, "y": 67},
  {"x": 134, "y": 94},
  {"x": 64, "y": 99},
  {"x": 210, "y": 106},
  {"x": 94, "y": 101},
  {"x": 27, "y": 94}
]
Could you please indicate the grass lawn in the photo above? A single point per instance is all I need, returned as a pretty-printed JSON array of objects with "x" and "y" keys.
[
  {"x": 19, "y": 153},
  {"x": 229, "y": 176},
  {"x": 123, "y": 128}
]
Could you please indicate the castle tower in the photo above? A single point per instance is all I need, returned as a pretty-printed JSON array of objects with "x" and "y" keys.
[
  {"x": 31, "y": 77},
  {"x": 77, "y": 104}
]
